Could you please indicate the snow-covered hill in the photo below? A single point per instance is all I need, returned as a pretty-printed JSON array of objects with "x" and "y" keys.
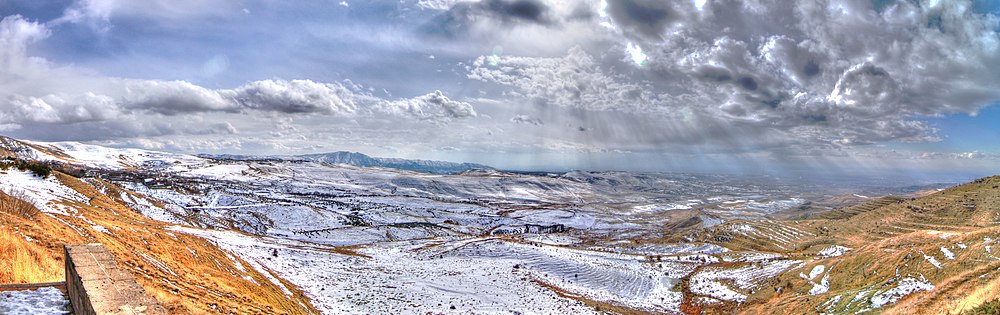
[{"x": 98, "y": 157}]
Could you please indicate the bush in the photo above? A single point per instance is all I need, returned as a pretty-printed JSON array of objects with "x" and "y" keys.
[
  {"x": 38, "y": 168},
  {"x": 16, "y": 203}
]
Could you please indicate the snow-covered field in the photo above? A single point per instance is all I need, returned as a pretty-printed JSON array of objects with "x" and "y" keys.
[
  {"x": 42, "y": 301},
  {"x": 396, "y": 278}
]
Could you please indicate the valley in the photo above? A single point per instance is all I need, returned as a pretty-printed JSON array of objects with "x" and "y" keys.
[{"x": 298, "y": 236}]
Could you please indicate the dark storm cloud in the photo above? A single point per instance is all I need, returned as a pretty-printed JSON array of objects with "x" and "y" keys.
[
  {"x": 516, "y": 10},
  {"x": 547, "y": 22},
  {"x": 648, "y": 18},
  {"x": 464, "y": 17},
  {"x": 507, "y": 11},
  {"x": 713, "y": 73}
]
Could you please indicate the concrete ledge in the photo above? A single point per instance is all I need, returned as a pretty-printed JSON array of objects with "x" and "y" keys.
[
  {"x": 32, "y": 286},
  {"x": 96, "y": 285}
]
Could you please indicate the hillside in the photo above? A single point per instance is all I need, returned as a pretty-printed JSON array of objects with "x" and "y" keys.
[
  {"x": 930, "y": 255},
  {"x": 186, "y": 274}
]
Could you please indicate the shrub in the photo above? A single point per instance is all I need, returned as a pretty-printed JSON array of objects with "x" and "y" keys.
[
  {"x": 15, "y": 203},
  {"x": 40, "y": 169}
]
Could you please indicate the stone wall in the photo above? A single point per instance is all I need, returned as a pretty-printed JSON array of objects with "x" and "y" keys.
[{"x": 96, "y": 285}]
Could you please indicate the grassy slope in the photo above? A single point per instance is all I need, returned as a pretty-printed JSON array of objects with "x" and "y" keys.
[
  {"x": 185, "y": 273},
  {"x": 888, "y": 238}
]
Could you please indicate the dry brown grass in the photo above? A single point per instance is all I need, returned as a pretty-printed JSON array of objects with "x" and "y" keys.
[
  {"x": 26, "y": 262},
  {"x": 24, "y": 255}
]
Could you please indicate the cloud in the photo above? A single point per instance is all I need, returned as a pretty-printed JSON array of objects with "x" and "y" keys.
[
  {"x": 98, "y": 13},
  {"x": 94, "y": 13},
  {"x": 51, "y": 101},
  {"x": 16, "y": 33},
  {"x": 461, "y": 15},
  {"x": 525, "y": 119},
  {"x": 58, "y": 109},
  {"x": 296, "y": 96},
  {"x": 532, "y": 11},
  {"x": 515, "y": 27},
  {"x": 434, "y": 106},
  {"x": 758, "y": 78},
  {"x": 171, "y": 97},
  {"x": 868, "y": 88},
  {"x": 824, "y": 74},
  {"x": 647, "y": 18},
  {"x": 575, "y": 80},
  {"x": 441, "y": 5},
  {"x": 467, "y": 19}
]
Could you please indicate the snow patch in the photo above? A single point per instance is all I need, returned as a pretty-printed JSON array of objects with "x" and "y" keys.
[
  {"x": 947, "y": 253},
  {"x": 100, "y": 229},
  {"x": 830, "y": 304},
  {"x": 933, "y": 261},
  {"x": 222, "y": 171},
  {"x": 821, "y": 287},
  {"x": 816, "y": 271},
  {"x": 744, "y": 229},
  {"x": 48, "y": 300},
  {"x": 942, "y": 235},
  {"x": 904, "y": 287},
  {"x": 714, "y": 281},
  {"x": 834, "y": 251},
  {"x": 43, "y": 193}
]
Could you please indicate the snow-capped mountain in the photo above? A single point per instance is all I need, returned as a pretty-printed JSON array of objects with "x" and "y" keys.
[{"x": 358, "y": 159}]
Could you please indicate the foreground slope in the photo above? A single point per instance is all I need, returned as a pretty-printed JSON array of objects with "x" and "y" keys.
[{"x": 186, "y": 274}]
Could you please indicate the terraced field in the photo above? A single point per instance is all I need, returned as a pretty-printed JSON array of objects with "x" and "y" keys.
[{"x": 927, "y": 255}]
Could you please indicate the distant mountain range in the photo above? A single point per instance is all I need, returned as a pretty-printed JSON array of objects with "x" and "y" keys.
[{"x": 359, "y": 159}]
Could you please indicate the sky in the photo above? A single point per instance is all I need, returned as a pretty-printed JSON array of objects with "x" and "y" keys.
[{"x": 784, "y": 87}]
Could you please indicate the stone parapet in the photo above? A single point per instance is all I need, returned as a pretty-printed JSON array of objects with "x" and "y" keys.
[{"x": 95, "y": 284}]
